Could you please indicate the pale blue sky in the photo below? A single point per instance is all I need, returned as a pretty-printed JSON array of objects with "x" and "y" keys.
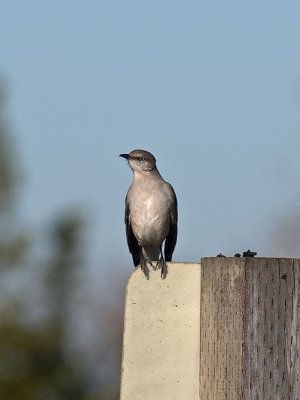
[{"x": 212, "y": 89}]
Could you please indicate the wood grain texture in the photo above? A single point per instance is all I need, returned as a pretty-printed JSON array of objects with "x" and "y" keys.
[
  {"x": 250, "y": 329},
  {"x": 221, "y": 327}
]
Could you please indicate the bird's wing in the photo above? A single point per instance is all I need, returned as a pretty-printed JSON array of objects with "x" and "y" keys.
[
  {"x": 133, "y": 245},
  {"x": 172, "y": 235}
]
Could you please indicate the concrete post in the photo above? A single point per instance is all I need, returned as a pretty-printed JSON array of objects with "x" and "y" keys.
[{"x": 161, "y": 335}]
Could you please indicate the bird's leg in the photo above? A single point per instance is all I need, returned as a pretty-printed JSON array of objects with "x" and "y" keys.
[
  {"x": 144, "y": 266},
  {"x": 161, "y": 263}
]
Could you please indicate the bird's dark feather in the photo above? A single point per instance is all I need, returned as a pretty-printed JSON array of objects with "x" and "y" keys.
[
  {"x": 171, "y": 239},
  {"x": 133, "y": 245}
]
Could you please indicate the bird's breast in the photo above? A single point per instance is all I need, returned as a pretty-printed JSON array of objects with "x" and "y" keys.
[{"x": 150, "y": 218}]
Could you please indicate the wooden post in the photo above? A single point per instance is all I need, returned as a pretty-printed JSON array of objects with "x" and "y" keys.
[{"x": 250, "y": 329}]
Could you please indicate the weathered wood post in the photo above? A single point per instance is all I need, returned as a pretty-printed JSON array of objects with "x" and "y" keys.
[
  {"x": 226, "y": 329},
  {"x": 250, "y": 329}
]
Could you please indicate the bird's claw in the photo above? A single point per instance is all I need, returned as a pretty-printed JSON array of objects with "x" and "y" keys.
[
  {"x": 160, "y": 264},
  {"x": 163, "y": 266},
  {"x": 145, "y": 268}
]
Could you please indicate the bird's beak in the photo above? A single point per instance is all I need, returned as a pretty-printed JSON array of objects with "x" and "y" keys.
[{"x": 124, "y": 156}]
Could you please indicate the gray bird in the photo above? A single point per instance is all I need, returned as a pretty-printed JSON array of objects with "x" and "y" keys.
[{"x": 150, "y": 213}]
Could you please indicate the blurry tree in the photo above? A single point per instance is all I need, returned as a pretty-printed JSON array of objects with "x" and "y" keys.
[
  {"x": 34, "y": 364},
  {"x": 12, "y": 245}
]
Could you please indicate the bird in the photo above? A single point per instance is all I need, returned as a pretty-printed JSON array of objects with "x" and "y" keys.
[{"x": 151, "y": 213}]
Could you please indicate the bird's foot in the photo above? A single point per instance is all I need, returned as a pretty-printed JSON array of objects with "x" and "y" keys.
[
  {"x": 145, "y": 268},
  {"x": 161, "y": 263}
]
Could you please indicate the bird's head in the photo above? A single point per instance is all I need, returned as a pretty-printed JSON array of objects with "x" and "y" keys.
[{"x": 140, "y": 160}]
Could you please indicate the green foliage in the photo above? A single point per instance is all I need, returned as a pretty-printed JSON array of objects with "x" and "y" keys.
[
  {"x": 33, "y": 359},
  {"x": 7, "y": 170},
  {"x": 33, "y": 366}
]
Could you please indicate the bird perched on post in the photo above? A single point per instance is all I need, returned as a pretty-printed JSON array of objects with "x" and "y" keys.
[{"x": 150, "y": 213}]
